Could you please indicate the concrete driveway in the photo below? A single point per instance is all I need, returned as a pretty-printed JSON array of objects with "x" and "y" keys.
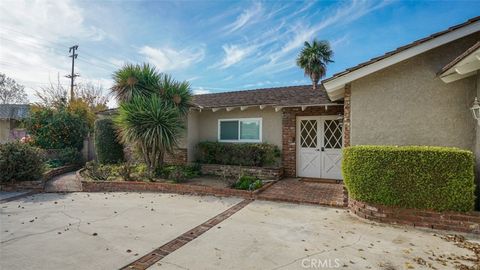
[{"x": 109, "y": 231}]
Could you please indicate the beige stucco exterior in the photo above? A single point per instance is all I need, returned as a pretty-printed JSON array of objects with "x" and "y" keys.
[
  {"x": 203, "y": 126},
  {"x": 407, "y": 104}
]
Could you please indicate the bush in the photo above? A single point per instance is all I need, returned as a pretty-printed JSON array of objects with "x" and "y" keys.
[
  {"x": 64, "y": 157},
  {"x": 56, "y": 128},
  {"x": 423, "y": 177},
  {"x": 248, "y": 183},
  {"x": 243, "y": 154},
  {"x": 20, "y": 162},
  {"x": 107, "y": 146},
  {"x": 179, "y": 173}
]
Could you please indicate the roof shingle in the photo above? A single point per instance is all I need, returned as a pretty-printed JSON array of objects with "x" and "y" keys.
[
  {"x": 278, "y": 96},
  {"x": 14, "y": 111}
]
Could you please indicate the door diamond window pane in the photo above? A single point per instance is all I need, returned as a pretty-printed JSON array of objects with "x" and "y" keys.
[
  {"x": 332, "y": 134},
  {"x": 308, "y": 133}
]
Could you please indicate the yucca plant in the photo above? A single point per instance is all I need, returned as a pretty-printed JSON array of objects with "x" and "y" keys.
[
  {"x": 135, "y": 80},
  {"x": 152, "y": 112},
  {"x": 313, "y": 59},
  {"x": 152, "y": 124}
]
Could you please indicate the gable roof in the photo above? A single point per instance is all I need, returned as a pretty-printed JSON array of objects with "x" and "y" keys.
[
  {"x": 14, "y": 111},
  {"x": 334, "y": 85},
  {"x": 278, "y": 96}
]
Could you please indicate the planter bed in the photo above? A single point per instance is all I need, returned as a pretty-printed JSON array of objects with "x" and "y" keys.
[
  {"x": 180, "y": 188},
  {"x": 264, "y": 173},
  {"x": 39, "y": 184},
  {"x": 468, "y": 222}
]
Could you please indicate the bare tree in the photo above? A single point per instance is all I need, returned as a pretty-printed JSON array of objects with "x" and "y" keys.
[
  {"x": 55, "y": 95},
  {"x": 11, "y": 91},
  {"x": 92, "y": 94}
]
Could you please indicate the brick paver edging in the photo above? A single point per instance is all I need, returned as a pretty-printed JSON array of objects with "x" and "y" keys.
[
  {"x": 161, "y": 252},
  {"x": 132, "y": 186},
  {"x": 453, "y": 221},
  {"x": 40, "y": 184}
]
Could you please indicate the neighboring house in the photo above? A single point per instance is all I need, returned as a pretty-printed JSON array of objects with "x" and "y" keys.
[
  {"x": 10, "y": 117},
  {"x": 418, "y": 94}
]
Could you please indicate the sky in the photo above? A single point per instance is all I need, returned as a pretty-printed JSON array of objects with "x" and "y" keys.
[{"x": 217, "y": 46}]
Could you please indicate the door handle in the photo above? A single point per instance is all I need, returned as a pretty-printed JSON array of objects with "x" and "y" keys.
[{"x": 323, "y": 149}]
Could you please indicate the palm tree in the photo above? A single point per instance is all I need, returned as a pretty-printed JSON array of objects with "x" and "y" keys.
[
  {"x": 313, "y": 59},
  {"x": 152, "y": 112}
]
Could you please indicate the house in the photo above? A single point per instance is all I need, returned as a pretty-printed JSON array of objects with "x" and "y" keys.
[
  {"x": 10, "y": 117},
  {"x": 418, "y": 94}
]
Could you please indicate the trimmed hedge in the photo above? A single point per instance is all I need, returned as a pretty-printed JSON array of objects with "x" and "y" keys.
[
  {"x": 242, "y": 154},
  {"x": 422, "y": 177},
  {"x": 107, "y": 147},
  {"x": 20, "y": 162}
]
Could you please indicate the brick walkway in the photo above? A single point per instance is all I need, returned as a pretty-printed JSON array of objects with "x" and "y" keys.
[
  {"x": 293, "y": 190},
  {"x": 64, "y": 183}
]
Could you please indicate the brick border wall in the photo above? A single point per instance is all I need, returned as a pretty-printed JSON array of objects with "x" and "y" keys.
[
  {"x": 264, "y": 173},
  {"x": 179, "y": 157},
  {"x": 289, "y": 129},
  {"x": 135, "y": 186},
  {"x": 453, "y": 221},
  {"x": 38, "y": 185}
]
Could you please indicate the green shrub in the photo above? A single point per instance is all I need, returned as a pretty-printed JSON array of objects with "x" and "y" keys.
[
  {"x": 108, "y": 148},
  {"x": 56, "y": 128},
  {"x": 20, "y": 162},
  {"x": 66, "y": 156},
  {"x": 243, "y": 154},
  {"x": 248, "y": 183},
  {"x": 99, "y": 172},
  {"x": 423, "y": 177},
  {"x": 179, "y": 173}
]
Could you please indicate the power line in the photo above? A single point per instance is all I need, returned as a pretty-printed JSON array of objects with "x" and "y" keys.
[{"x": 58, "y": 45}]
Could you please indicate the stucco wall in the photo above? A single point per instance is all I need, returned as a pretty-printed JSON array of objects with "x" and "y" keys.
[
  {"x": 192, "y": 135},
  {"x": 207, "y": 122},
  {"x": 407, "y": 104}
]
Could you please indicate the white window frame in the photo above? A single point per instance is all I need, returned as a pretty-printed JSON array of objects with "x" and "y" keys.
[{"x": 239, "y": 126}]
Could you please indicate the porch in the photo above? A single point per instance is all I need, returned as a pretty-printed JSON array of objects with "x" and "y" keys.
[{"x": 296, "y": 191}]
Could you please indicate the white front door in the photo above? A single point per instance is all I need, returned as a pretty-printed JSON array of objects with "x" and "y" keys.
[{"x": 319, "y": 147}]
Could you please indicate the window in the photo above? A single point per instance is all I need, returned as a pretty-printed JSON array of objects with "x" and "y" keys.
[{"x": 240, "y": 130}]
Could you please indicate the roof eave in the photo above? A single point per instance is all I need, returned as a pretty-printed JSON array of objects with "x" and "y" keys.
[
  {"x": 335, "y": 85},
  {"x": 465, "y": 66}
]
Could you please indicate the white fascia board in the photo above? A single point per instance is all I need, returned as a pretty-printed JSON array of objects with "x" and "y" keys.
[{"x": 401, "y": 56}]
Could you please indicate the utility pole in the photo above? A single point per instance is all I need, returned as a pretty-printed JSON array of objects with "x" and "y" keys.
[{"x": 72, "y": 75}]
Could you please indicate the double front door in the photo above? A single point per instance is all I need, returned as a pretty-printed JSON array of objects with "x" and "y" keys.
[{"x": 319, "y": 147}]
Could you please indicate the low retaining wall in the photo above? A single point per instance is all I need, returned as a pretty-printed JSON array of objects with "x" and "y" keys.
[
  {"x": 39, "y": 184},
  {"x": 134, "y": 186},
  {"x": 453, "y": 221},
  {"x": 264, "y": 173}
]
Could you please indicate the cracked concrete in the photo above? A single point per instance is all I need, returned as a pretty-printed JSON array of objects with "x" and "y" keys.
[
  {"x": 266, "y": 235},
  {"x": 96, "y": 230},
  {"x": 108, "y": 231}
]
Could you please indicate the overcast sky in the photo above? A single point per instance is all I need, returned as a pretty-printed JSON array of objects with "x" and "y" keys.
[{"x": 216, "y": 45}]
